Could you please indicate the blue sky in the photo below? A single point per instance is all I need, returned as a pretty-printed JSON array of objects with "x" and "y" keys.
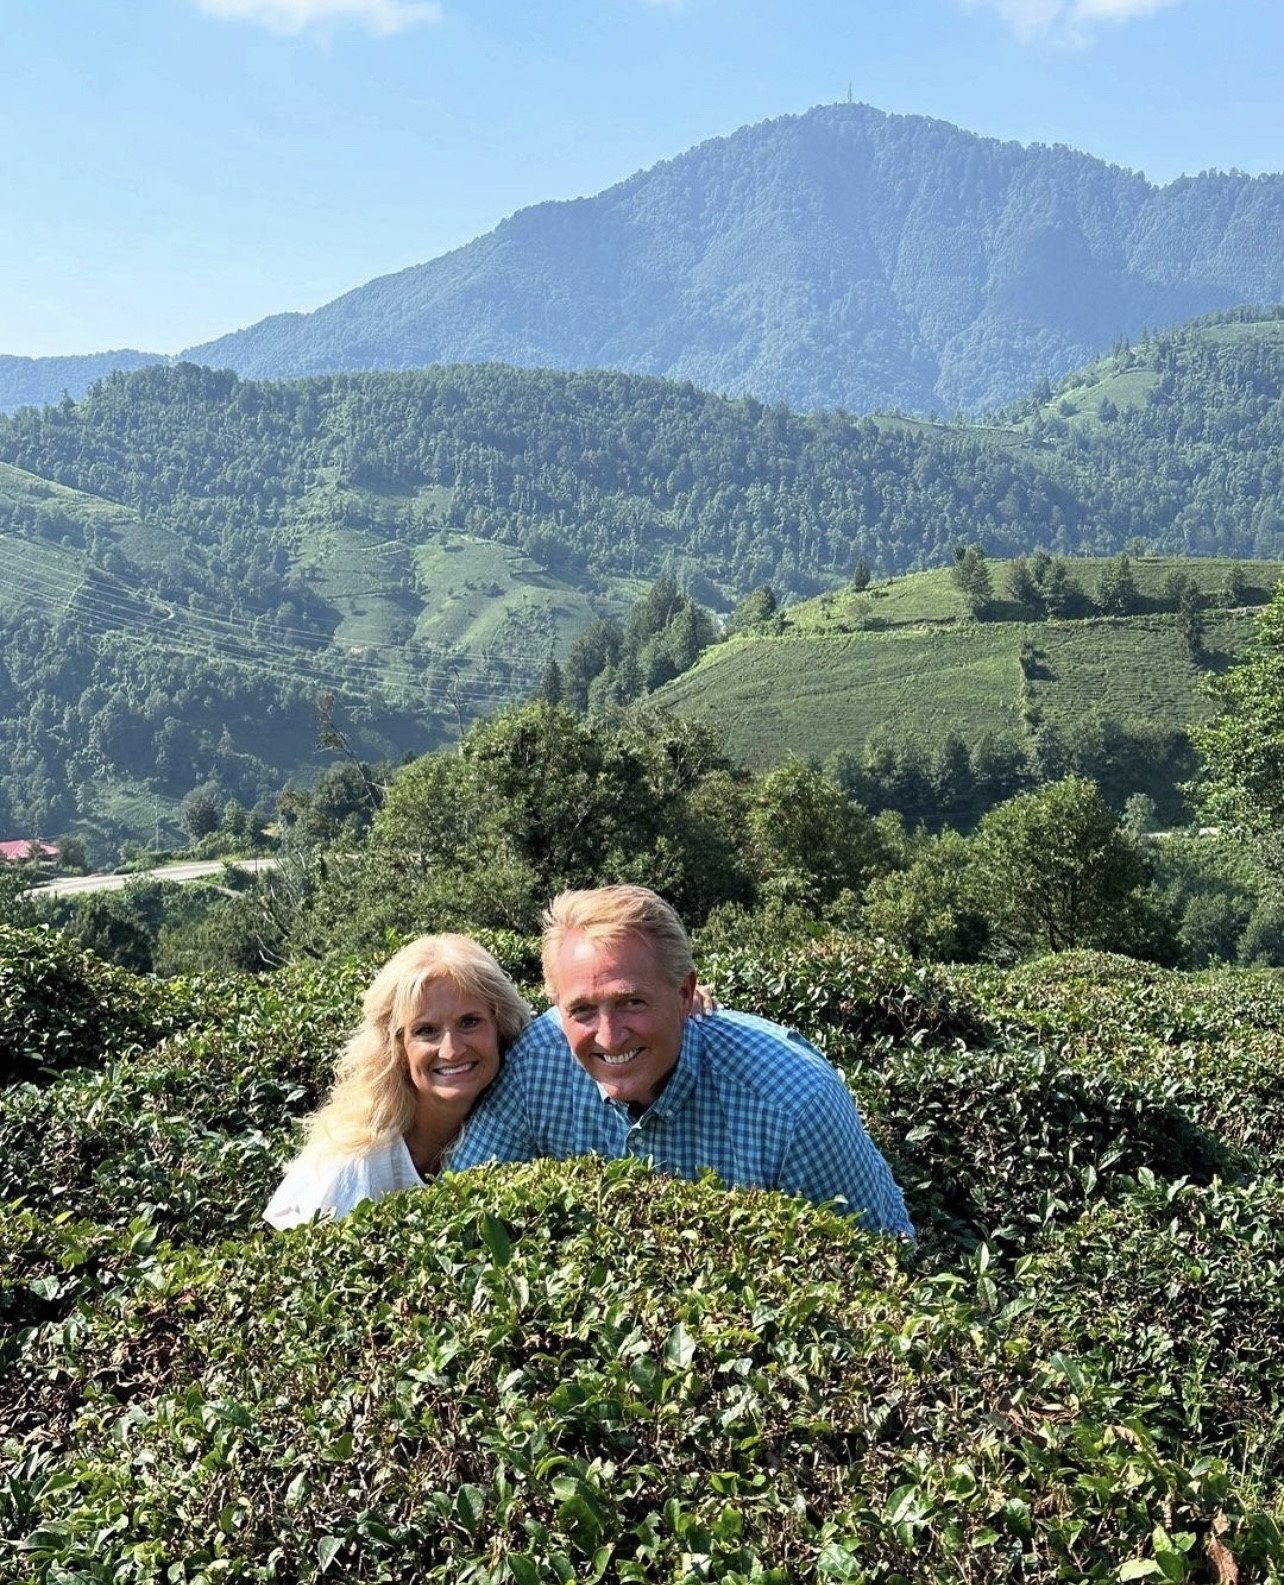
[{"x": 175, "y": 169}]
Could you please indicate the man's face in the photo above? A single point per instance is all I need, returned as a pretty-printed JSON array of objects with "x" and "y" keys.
[{"x": 621, "y": 1013}]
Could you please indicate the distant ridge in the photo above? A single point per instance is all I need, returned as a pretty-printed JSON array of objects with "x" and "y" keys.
[
  {"x": 36, "y": 382},
  {"x": 845, "y": 257}
]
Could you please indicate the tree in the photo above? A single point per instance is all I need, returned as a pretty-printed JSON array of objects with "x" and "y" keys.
[
  {"x": 16, "y": 906},
  {"x": 754, "y": 609},
  {"x": 971, "y": 576},
  {"x": 550, "y": 689},
  {"x": 860, "y": 575},
  {"x": 1117, "y": 589},
  {"x": 201, "y": 813},
  {"x": 1024, "y": 588},
  {"x": 1058, "y": 870},
  {"x": 1192, "y": 624},
  {"x": 654, "y": 611},
  {"x": 1177, "y": 588},
  {"x": 952, "y": 784},
  {"x": 1140, "y": 815},
  {"x": 1061, "y": 594},
  {"x": 806, "y": 835},
  {"x": 1241, "y": 786},
  {"x": 73, "y": 856},
  {"x": 538, "y": 799},
  {"x": 597, "y": 648},
  {"x": 932, "y": 909}
]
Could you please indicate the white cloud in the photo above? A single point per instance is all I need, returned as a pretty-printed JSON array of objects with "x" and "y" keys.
[
  {"x": 1066, "y": 21},
  {"x": 1117, "y": 10},
  {"x": 293, "y": 16}
]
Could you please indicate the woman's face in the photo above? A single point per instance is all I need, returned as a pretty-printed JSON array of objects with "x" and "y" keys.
[{"x": 451, "y": 1043}]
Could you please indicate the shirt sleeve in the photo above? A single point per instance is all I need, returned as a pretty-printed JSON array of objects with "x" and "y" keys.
[
  {"x": 499, "y": 1128},
  {"x": 831, "y": 1157}
]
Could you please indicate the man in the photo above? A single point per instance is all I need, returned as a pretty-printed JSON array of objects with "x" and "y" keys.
[{"x": 620, "y": 1067}]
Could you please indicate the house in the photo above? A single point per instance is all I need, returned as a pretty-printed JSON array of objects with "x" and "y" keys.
[{"x": 20, "y": 852}]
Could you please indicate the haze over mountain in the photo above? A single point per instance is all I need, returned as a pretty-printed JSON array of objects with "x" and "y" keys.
[
  {"x": 36, "y": 382},
  {"x": 843, "y": 257}
]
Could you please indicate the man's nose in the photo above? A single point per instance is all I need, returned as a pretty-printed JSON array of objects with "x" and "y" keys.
[{"x": 610, "y": 1027}]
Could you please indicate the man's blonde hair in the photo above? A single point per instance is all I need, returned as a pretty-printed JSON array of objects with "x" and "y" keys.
[
  {"x": 607, "y": 914},
  {"x": 373, "y": 1101}
]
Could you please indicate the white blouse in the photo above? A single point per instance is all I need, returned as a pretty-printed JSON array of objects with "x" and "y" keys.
[{"x": 334, "y": 1184}]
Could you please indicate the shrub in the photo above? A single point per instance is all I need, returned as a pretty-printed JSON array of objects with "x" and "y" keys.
[
  {"x": 849, "y": 997},
  {"x": 583, "y": 1371},
  {"x": 575, "y": 1372},
  {"x": 190, "y": 1134},
  {"x": 1177, "y": 1288},
  {"x": 61, "y": 1007}
]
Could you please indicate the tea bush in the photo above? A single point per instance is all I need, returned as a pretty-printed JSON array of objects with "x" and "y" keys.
[
  {"x": 1179, "y": 1290},
  {"x": 580, "y": 1371},
  {"x": 61, "y": 1007},
  {"x": 585, "y": 1372},
  {"x": 1211, "y": 1043}
]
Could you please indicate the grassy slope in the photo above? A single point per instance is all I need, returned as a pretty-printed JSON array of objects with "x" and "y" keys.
[
  {"x": 811, "y": 695},
  {"x": 438, "y": 587},
  {"x": 1127, "y": 381},
  {"x": 921, "y": 670},
  {"x": 487, "y": 612}
]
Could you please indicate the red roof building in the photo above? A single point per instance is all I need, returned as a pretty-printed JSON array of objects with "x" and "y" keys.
[{"x": 20, "y": 852}]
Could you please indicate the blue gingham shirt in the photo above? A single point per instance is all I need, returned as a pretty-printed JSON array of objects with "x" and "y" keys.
[{"x": 748, "y": 1098}]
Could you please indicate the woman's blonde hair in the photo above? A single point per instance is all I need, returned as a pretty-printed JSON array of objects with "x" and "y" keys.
[
  {"x": 372, "y": 1101},
  {"x": 608, "y": 914}
]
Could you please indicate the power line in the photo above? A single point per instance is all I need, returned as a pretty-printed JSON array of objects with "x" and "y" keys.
[{"x": 109, "y": 611}]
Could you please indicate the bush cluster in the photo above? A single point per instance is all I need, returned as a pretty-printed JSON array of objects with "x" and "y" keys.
[
  {"x": 578, "y": 1371},
  {"x": 61, "y": 1007}
]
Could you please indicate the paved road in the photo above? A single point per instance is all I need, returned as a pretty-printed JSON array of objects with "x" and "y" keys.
[{"x": 72, "y": 885}]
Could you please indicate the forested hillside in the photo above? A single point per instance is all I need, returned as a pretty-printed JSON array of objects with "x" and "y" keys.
[{"x": 194, "y": 563}]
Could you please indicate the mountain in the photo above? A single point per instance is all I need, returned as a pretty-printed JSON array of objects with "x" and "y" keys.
[
  {"x": 35, "y": 382},
  {"x": 840, "y": 258},
  {"x": 844, "y": 257}
]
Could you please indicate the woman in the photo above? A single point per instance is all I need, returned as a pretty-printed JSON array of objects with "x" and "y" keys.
[{"x": 437, "y": 1019}]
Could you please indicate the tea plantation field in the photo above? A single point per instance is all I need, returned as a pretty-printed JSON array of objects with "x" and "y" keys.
[
  {"x": 578, "y": 1372},
  {"x": 901, "y": 659}
]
